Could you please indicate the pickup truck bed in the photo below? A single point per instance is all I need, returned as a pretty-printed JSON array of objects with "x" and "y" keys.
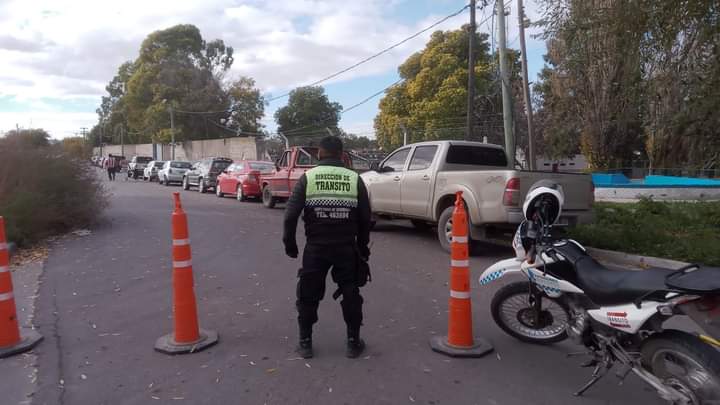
[{"x": 419, "y": 182}]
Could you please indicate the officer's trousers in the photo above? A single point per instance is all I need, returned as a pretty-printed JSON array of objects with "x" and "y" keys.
[{"x": 317, "y": 261}]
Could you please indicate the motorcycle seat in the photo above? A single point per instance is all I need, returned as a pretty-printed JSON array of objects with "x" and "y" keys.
[{"x": 613, "y": 287}]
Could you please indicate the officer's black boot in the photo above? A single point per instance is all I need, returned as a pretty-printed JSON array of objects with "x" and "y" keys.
[
  {"x": 355, "y": 347},
  {"x": 304, "y": 348}
]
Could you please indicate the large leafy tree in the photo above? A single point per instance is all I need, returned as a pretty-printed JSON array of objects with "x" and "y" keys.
[
  {"x": 309, "y": 110},
  {"x": 247, "y": 105},
  {"x": 632, "y": 78},
  {"x": 176, "y": 68},
  {"x": 431, "y": 100}
]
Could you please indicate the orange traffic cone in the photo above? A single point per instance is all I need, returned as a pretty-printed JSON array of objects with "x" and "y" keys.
[
  {"x": 188, "y": 337},
  {"x": 13, "y": 340},
  {"x": 459, "y": 341}
]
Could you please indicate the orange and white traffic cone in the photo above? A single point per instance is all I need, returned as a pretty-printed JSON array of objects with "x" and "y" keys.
[
  {"x": 13, "y": 339},
  {"x": 459, "y": 342},
  {"x": 187, "y": 337}
]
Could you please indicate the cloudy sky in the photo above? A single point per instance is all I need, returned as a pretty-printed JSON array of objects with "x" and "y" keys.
[{"x": 56, "y": 56}]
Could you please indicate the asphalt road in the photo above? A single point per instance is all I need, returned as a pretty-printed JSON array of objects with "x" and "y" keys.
[{"x": 105, "y": 298}]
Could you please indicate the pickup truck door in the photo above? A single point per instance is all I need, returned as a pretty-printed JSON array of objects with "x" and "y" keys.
[
  {"x": 417, "y": 183},
  {"x": 280, "y": 181},
  {"x": 385, "y": 189}
]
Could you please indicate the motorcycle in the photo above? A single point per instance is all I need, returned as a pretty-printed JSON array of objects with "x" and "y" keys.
[{"x": 617, "y": 315}]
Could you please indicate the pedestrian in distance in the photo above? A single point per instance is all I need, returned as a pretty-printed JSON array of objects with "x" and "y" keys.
[
  {"x": 336, "y": 211},
  {"x": 110, "y": 166}
]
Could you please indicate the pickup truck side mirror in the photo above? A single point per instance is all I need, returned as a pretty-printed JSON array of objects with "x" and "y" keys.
[
  {"x": 225, "y": 171},
  {"x": 386, "y": 169}
]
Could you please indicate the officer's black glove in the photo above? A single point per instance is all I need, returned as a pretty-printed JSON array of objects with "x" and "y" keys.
[
  {"x": 364, "y": 252},
  {"x": 291, "y": 250}
]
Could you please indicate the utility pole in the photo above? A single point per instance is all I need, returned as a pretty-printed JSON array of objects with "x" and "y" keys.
[
  {"x": 83, "y": 132},
  {"x": 471, "y": 72},
  {"x": 526, "y": 86},
  {"x": 172, "y": 133},
  {"x": 505, "y": 81},
  {"x": 122, "y": 141},
  {"x": 405, "y": 134}
]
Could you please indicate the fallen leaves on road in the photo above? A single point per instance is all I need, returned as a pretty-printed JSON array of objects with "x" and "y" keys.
[
  {"x": 29, "y": 255},
  {"x": 308, "y": 365},
  {"x": 411, "y": 398},
  {"x": 271, "y": 370},
  {"x": 82, "y": 232}
]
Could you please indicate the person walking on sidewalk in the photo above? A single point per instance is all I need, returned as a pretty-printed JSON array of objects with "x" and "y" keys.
[{"x": 336, "y": 212}]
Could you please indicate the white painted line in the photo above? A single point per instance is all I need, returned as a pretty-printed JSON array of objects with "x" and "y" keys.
[
  {"x": 463, "y": 295},
  {"x": 460, "y": 263},
  {"x": 181, "y": 242},
  {"x": 4, "y": 269},
  {"x": 6, "y": 296},
  {"x": 182, "y": 264}
]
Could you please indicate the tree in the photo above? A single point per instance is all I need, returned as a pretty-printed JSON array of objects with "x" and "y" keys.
[
  {"x": 176, "y": 68},
  {"x": 431, "y": 101},
  {"x": 76, "y": 147},
  {"x": 247, "y": 105},
  {"x": 308, "y": 110},
  {"x": 627, "y": 78},
  {"x": 33, "y": 138}
]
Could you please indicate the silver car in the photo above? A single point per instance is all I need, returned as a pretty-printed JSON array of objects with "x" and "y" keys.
[
  {"x": 150, "y": 173},
  {"x": 173, "y": 172}
]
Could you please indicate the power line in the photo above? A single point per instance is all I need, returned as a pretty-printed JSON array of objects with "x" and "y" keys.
[{"x": 384, "y": 51}]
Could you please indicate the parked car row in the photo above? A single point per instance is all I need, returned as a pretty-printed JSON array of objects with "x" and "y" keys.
[{"x": 416, "y": 182}]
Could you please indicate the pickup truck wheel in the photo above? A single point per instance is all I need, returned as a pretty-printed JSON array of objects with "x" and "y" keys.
[
  {"x": 267, "y": 198},
  {"x": 218, "y": 191},
  {"x": 185, "y": 185},
  {"x": 201, "y": 186},
  {"x": 444, "y": 228}
]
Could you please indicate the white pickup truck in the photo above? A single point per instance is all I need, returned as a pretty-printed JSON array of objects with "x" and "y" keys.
[{"x": 419, "y": 181}]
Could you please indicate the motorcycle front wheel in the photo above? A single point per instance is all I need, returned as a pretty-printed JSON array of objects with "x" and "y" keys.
[
  {"x": 686, "y": 363},
  {"x": 515, "y": 311}
]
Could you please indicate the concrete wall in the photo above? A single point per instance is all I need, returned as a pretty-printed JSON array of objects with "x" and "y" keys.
[{"x": 234, "y": 148}]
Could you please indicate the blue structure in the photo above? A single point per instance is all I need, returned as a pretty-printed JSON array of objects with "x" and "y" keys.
[{"x": 615, "y": 180}]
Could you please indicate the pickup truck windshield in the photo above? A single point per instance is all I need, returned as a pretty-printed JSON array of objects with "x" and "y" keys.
[
  {"x": 476, "y": 156},
  {"x": 141, "y": 159}
]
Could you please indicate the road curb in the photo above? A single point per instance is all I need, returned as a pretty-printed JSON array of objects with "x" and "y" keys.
[{"x": 638, "y": 262}]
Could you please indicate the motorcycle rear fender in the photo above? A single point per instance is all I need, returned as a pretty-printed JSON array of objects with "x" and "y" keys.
[{"x": 500, "y": 269}]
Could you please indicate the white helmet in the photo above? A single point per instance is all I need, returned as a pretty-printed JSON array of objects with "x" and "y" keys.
[{"x": 544, "y": 198}]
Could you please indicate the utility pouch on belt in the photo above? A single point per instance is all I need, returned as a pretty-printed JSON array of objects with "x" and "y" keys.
[{"x": 362, "y": 274}]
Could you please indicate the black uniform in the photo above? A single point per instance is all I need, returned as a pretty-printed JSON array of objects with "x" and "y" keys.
[{"x": 331, "y": 243}]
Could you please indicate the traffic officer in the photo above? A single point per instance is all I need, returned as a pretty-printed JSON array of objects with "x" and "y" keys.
[{"x": 336, "y": 212}]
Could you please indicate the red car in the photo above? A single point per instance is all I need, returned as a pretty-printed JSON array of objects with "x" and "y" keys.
[{"x": 242, "y": 179}]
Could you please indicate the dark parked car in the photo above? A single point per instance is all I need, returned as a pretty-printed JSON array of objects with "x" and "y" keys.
[{"x": 203, "y": 173}]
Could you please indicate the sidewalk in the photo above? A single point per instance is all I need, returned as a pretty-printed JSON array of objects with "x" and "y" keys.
[{"x": 19, "y": 373}]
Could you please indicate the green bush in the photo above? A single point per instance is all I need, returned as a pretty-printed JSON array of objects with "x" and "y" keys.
[
  {"x": 687, "y": 231},
  {"x": 44, "y": 191}
]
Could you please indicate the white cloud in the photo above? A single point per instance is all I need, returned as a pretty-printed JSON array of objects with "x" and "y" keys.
[
  {"x": 70, "y": 49},
  {"x": 58, "y": 124}
]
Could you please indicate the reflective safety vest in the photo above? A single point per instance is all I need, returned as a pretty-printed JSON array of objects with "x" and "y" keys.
[{"x": 331, "y": 186}]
